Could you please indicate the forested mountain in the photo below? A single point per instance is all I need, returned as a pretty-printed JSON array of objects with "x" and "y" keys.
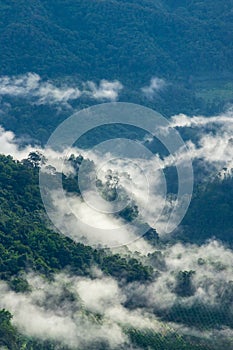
[
  {"x": 28, "y": 246},
  {"x": 59, "y": 289},
  {"x": 125, "y": 40},
  {"x": 188, "y": 44}
]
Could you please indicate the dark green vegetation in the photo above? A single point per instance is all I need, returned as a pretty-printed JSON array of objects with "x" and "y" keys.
[
  {"x": 187, "y": 43},
  {"x": 27, "y": 244},
  {"x": 10, "y": 337},
  {"x": 211, "y": 212},
  {"x": 149, "y": 340},
  {"x": 116, "y": 39},
  {"x": 13, "y": 340}
]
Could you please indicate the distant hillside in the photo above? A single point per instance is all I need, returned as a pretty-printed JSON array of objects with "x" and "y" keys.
[
  {"x": 181, "y": 41},
  {"x": 127, "y": 40}
]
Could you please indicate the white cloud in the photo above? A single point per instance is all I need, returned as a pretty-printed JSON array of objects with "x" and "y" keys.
[
  {"x": 9, "y": 145},
  {"x": 106, "y": 90},
  {"x": 71, "y": 215},
  {"x": 47, "y": 314},
  {"x": 213, "y": 140},
  {"x": 146, "y": 184},
  {"x": 156, "y": 85},
  {"x": 212, "y": 263},
  {"x": 184, "y": 121},
  {"x": 72, "y": 210},
  {"x": 141, "y": 181},
  {"x": 49, "y": 311},
  {"x": 39, "y": 91}
]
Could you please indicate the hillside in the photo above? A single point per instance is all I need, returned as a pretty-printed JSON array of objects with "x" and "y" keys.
[
  {"x": 78, "y": 269},
  {"x": 187, "y": 44},
  {"x": 29, "y": 250},
  {"x": 150, "y": 37}
]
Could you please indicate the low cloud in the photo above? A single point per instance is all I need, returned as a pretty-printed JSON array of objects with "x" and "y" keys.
[
  {"x": 74, "y": 311},
  {"x": 184, "y": 121},
  {"x": 106, "y": 90},
  {"x": 212, "y": 263},
  {"x": 46, "y": 314},
  {"x": 39, "y": 91},
  {"x": 156, "y": 85},
  {"x": 9, "y": 145},
  {"x": 145, "y": 187},
  {"x": 71, "y": 213},
  {"x": 212, "y": 144},
  {"x": 82, "y": 311},
  {"x": 54, "y": 311}
]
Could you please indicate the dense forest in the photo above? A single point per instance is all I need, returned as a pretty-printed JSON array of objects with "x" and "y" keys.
[
  {"x": 188, "y": 44},
  {"x": 27, "y": 245},
  {"x": 74, "y": 37},
  {"x": 58, "y": 291}
]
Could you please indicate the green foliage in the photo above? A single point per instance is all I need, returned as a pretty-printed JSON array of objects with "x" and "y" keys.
[
  {"x": 19, "y": 285},
  {"x": 117, "y": 39},
  {"x": 199, "y": 315},
  {"x": 210, "y": 212},
  {"x": 168, "y": 340},
  {"x": 8, "y": 334},
  {"x": 26, "y": 242},
  {"x": 11, "y": 339},
  {"x": 187, "y": 44},
  {"x": 184, "y": 287}
]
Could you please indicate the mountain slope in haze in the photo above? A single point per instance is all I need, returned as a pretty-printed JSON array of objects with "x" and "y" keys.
[
  {"x": 186, "y": 43},
  {"x": 41, "y": 270},
  {"x": 116, "y": 39},
  {"x": 57, "y": 57}
]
